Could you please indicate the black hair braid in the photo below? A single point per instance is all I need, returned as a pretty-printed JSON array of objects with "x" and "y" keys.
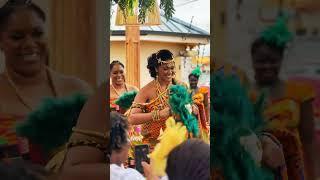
[
  {"x": 12, "y": 6},
  {"x": 118, "y": 134},
  {"x": 113, "y": 63},
  {"x": 260, "y": 42},
  {"x": 193, "y": 76},
  {"x": 163, "y": 54},
  {"x": 179, "y": 167},
  {"x": 152, "y": 65}
]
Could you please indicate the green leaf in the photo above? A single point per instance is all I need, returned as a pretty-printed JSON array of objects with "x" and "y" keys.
[{"x": 168, "y": 8}]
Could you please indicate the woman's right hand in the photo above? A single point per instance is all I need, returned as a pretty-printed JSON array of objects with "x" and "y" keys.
[
  {"x": 148, "y": 172},
  {"x": 165, "y": 113}
]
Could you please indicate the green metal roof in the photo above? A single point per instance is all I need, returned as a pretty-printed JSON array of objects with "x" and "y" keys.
[{"x": 172, "y": 27}]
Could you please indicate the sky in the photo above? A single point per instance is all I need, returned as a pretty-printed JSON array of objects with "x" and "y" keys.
[
  {"x": 200, "y": 11},
  {"x": 196, "y": 10}
]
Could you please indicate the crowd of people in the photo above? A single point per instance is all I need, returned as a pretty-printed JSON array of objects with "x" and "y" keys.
[
  {"x": 80, "y": 151},
  {"x": 54, "y": 126},
  {"x": 259, "y": 130},
  {"x": 286, "y": 140},
  {"x": 148, "y": 113}
]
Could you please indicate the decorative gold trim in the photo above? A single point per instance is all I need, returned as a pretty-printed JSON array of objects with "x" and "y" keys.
[
  {"x": 19, "y": 94},
  {"x": 156, "y": 115},
  {"x": 104, "y": 136},
  {"x": 169, "y": 62}
]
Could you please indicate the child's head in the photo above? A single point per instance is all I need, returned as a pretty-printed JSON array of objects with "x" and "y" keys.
[
  {"x": 189, "y": 160},
  {"x": 120, "y": 143}
]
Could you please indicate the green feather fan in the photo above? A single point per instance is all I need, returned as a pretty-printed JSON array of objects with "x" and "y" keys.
[
  {"x": 278, "y": 34},
  {"x": 233, "y": 116},
  {"x": 126, "y": 99},
  {"x": 50, "y": 125},
  {"x": 196, "y": 72},
  {"x": 3, "y": 141},
  {"x": 179, "y": 98}
]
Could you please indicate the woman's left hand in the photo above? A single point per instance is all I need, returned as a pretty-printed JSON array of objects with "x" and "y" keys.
[{"x": 195, "y": 109}]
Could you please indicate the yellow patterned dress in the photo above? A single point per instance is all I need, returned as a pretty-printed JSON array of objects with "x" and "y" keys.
[
  {"x": 203, "y": 122},
  {"x": 283, "y": 116}
]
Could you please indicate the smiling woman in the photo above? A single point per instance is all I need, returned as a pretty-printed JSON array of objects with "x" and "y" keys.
[
  {"x": 151, "y": 105},
  {"x": 26, "y": 79},
  {"x": 118, "y": 84}
]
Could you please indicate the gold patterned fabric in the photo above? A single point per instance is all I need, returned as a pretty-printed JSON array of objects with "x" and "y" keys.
[
  {"x": 83, "y": 138},
  {"x": 203, "y": 123},
  {"x": 151, "y": 129},
  {"x": 283, "y": 115}
]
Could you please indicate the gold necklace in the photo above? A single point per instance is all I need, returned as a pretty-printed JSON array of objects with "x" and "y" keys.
[
  {"x": 115, "y": 90},
  {"x": 162, "y": 95},
  {"x": 18, "y": 93}
]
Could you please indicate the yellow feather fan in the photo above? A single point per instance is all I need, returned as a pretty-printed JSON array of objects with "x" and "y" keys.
[{"x": 172, "y": 136}]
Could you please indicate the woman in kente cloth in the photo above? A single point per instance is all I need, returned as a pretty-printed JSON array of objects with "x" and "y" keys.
[
  {"x": 151, "y": 107},
  {"x": 200, "y": 97},
  {"x": 27, "y": 79},
  {"x": 288, "y": 108},
  {"x": 121, "y": 97},
  {"x": 118, "y": 85},
  {"x": 74, "y": 131},
  {"x": 240, "y": 149}
]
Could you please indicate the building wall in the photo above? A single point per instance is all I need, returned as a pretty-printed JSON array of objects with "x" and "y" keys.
[
  {"x": 219, "y": 30},
  {"x": 238, "y": 40},
  {"x": 117, "y": 52}
]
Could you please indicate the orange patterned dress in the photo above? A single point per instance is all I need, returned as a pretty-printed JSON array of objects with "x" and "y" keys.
[
  {"x": 283, "y": 117},
  {"x": 25, "y": 149},
  {"x": 151, "y": 130}
]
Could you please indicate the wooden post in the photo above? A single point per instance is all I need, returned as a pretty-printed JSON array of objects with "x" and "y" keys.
[
  {"x": 133, "y": 55},
  {"x": 73, "y": 39}
]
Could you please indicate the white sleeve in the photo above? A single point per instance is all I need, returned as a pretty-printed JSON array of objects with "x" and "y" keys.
[
  {"x": 164, "y": 177},
  {"x": 131, "y": 174}
]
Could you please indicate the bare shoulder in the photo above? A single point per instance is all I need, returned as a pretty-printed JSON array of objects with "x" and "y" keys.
[
  {"x": 3, "y": 83},
  {"x": 132, "y": 88},
  {"x": 93, "y": 115},
  {"x": 72, "y": 84},
  {"x": 147, "y": 88},
  {"x": 4, "y": 87},
  {"x": 145, "y": 92}
]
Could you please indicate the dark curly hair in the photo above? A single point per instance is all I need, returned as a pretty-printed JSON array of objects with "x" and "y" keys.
[
  {"x": 196, "y": 166},
  {"x": 11, "y": 6},
  {"x": 114, "y": 63},
  {"x": 193, "y": 76},
  {"x": 118, "y": 134},
  {"x": 163, "y": 54},
  {"x": 259, "y": 42}
]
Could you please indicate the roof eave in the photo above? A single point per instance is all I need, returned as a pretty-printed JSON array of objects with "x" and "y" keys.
[{"x": 146, "y": 32}]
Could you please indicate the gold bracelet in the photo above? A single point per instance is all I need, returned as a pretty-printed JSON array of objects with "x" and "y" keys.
[{"x": 156, "y": 115}]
